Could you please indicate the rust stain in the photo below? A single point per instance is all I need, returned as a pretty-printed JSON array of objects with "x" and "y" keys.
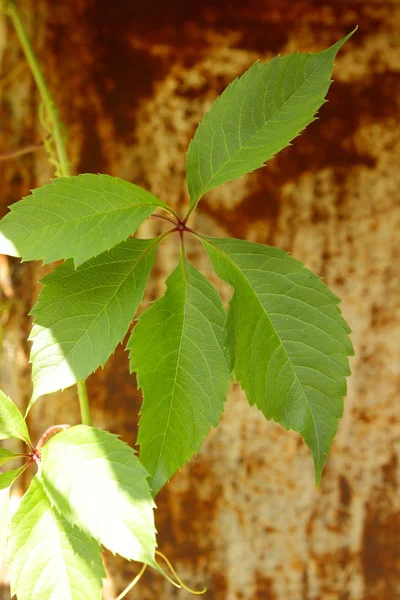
[
  {"x": 132, "y": 81},
  {"x": 264, "y": 588},
  {"x": 196, "y": 513},
  {"x": 345, "y": 491},
  {"x": 380, "y": 549}
]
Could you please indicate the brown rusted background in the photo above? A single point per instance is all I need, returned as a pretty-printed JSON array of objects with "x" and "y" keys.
[{"x": 132, "y": 80}]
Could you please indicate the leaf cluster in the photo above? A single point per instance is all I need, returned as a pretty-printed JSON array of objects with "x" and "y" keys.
[
  {"x": 90, "y": 491},
  {"x": 282, "y": 337}
]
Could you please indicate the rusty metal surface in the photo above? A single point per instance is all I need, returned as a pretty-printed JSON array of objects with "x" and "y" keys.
[{"x": 132, "y": 80}]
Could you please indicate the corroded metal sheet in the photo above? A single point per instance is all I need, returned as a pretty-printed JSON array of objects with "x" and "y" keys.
[{"x": 132, "y": 80}]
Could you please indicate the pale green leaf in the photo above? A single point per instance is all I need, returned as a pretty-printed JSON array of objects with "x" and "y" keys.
[
  {"x": 6, "y": 455},
  {"x": 12, "y": 423},
  {"x": 98, "y": 484},
  {"x": 177, "y": 351},
  {"x": 257, "y": 116},
  {"x": 8, "y": 477},
  {"x": 75, "y": 217},
  {"x": 83, "y": 314},
  {"x": 48, "y": 558},
  {"x": 4, "y": 520},
  {"x": 288, "y": 341}
]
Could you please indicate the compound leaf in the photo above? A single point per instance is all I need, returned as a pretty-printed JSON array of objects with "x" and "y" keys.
[
  {"x": 177, "y": 351},
  {"x": 83, "y": 314},
  {"x": 48, "y": 557},
  {"x": 288, "y": 342},
  {"x": 75, "y": 217},
  {"x": 12, "y": 423},
  {"x": 98, "y": 484},
  {"x": 257, "y": 116}
]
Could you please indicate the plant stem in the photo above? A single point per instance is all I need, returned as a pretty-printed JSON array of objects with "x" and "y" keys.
[
  {"x": 57, "y": 131},
  {"x": 133, "y": 583},
  {"x": 21, "y": 151},
  {"x": 55, "y": 123},
  {"x": 84, "y": 403},
  {"x": 164, "y": 219}
]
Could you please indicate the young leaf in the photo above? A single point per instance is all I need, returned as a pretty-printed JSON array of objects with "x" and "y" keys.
[
  {"x": 49, "y": 558},
  {"x": 8, "y": 478},
  {"x": 257, "y": 116},
  {"x": 4, "y": 520},
  {"x": 12, "y": 423},
  {"x": 6, "y": 455},
  {"x": 6, "y": 481},
  {"x": 82, "y": 315},
  {"x": 177, "y": 351},
  {"x": 98, "y": 484},
  {"x": 288, "y": 341},
  {"x": 75, "y": 217}
]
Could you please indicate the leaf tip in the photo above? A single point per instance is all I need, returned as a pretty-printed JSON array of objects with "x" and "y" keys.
[
  {"x": 319, "y": 465},
  {"x": 316, "y": 483}
]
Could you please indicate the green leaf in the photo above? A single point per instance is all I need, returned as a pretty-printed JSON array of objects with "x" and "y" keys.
[
  {"x": 288, "y": 341},
  {"x": 6, "y": 481},
  {"x": 82, "y": 315},
  {"x": 8, "y": 478},
  {"x": 177, "y": 351},
  {"x": 257, "y": 116},
  {"x": 48, "y": 557},
  {"x": 4, "y": 520},
  {"x": 6, "y": 455},
  {"x": 75, "y": 217},
  {"x": 12, "y": 423},
  {"x": 98, "y": 484}
]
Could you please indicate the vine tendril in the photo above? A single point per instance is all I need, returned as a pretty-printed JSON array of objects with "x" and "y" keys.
[
  {"x": 179, "y": 580},
  {"x": 132, "y": 583}
]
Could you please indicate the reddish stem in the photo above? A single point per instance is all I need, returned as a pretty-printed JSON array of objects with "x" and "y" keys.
[
  {"x": 180, "y": 226},
  {"x": 49, "y": 433},
  {"x": 164, "y": 218}
]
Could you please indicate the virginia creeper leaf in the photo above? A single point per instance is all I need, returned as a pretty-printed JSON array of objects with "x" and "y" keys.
[
  {"x": 4, "y": 520},
  {"x": 83, "y": 314},
  {"x": 75, "y": 217},
  {"x": 287, "y": 339},
  {"x": 49, "y": 559},
  {"x": 177, "y": 351},
  {"x": 96, "y": 481},
  {"x": 256, "y": 116},
  {"x": 6, "y": 455},
  {"x": 12, "y": 423},
  {"x": 6, "y": 481},
  {"x": 8, "y": 478}
]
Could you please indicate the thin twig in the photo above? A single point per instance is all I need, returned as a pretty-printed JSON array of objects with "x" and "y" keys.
[
  {"x": 57, "y": 133},
  {"x": 56, "y": 126},
  {"x": 21, "y": 151}
]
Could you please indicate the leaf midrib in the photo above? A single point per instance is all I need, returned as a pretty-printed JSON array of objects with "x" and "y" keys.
[
  {"x": 77, "y": 219},
  {"x": 185, "y": 306}
]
